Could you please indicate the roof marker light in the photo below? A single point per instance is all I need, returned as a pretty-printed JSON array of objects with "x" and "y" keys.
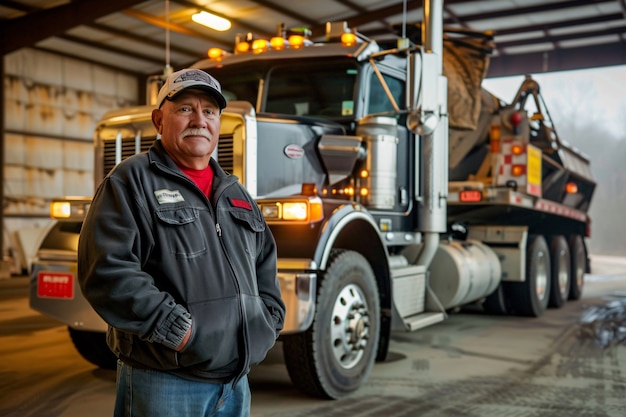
[
  {"x": 296, "y": 41},
  {"x": 260, "y": 46},
  {"x": 215, "y": 53},
  {"x": 348, "y": 39},
  {"x": 278, "y": 43}
]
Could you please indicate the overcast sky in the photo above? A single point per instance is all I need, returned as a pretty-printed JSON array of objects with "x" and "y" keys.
[{"x": 593, "y": 95}]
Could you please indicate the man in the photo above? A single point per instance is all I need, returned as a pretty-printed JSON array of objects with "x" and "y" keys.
[{"x": 175, "y": 256}]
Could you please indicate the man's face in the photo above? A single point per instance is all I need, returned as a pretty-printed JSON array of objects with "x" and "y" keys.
[{"x": 189, "y": 126}]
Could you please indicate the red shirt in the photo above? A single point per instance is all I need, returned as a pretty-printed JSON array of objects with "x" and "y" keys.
[{"x": 202, "y": 177}]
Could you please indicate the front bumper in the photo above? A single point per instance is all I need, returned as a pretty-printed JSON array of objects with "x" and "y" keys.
[
  {"x": 62, "y": 300},
  {"x": 298, "y": 286}
]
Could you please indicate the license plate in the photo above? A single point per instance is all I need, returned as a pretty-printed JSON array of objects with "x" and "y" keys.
[{"x": 55, "y": 285}]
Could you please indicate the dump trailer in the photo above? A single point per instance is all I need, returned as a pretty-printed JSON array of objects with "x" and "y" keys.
[{"x": 397, "y": 188}]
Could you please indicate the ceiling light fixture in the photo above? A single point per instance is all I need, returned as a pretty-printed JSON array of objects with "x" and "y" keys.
[{"x": 211, "y": 21}]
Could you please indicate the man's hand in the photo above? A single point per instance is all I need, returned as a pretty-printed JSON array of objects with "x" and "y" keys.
[{"x": 183, "y": 342}]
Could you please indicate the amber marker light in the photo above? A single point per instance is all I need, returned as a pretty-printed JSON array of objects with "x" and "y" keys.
[
  {"x": 215, "y": 53},
  {"x": 494, "y": 138},
  {"x": 296, "y": 41},
  {"x": 242, "y": 47},
  {"x": 517, "y": 149},
  {"x": 348, "y": 39},
  {"x": 518, "y": 170},
  {"x": 260, "y": 46},
  {"x": 571, "y": 188},
  {"x": 278, "y": 43}
]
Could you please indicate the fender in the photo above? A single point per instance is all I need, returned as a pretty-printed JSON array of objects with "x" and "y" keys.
[{"x": 350, "y": 226}]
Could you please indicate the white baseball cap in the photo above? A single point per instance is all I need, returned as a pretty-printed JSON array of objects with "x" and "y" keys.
[{"x": 190, "y": 78}]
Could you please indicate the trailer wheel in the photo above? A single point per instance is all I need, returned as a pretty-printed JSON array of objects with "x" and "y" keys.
[
  {"x": 578, "y": 257},
  {"x": 530, "y": 298},
  {"x": 93, "y": 347},
  {"x": 336, "y": 354},
  {"x": 561, "y": 275}
]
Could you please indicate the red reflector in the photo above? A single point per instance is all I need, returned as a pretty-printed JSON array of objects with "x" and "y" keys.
[
  {"x": 470, "y": 196},
  {"x": 55, "y": 285}
]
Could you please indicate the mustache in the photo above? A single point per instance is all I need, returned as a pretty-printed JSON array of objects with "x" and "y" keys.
[{"x": 197, "y": 132}]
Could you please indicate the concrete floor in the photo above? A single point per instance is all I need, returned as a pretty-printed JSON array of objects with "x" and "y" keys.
[{"x": 472, "y": 364}]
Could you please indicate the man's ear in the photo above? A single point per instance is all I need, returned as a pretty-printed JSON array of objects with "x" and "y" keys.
[{"x": 157, "y": 118}]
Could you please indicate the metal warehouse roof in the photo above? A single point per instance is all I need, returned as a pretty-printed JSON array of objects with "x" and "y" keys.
[{"x": 531, "y": 36}]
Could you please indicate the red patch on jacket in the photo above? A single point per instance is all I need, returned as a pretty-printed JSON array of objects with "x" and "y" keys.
[{"x": 241, "y": 204}]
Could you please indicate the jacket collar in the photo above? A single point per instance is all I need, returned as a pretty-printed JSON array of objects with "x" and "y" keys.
[{"x": 160, "y": 159}]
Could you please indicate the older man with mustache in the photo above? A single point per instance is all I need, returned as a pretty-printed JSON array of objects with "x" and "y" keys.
[{"x": 175, "y": 256}]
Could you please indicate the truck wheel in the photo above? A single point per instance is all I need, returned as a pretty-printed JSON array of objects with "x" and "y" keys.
[
  {"x": 93, "y": 347},
  {"x": 578, "y": 257},
  {"x": 561, "y": 276},
  {"x": 336, "y": 354},
  {"x": 530, "y": 298}
]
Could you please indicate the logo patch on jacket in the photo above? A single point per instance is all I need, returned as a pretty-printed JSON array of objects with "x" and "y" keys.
[
  {"x": 168, "y": 196},
  {"x": 240, "y": 203}
]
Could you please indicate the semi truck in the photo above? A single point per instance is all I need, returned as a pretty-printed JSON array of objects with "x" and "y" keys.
[{"x": 397, "y": 188}]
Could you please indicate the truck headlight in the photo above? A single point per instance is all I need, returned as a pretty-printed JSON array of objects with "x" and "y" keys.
[
  {"x": 71, "y": 208},
  {"x": 293, "y": 210},
  {"x": 60, "y": 210}
]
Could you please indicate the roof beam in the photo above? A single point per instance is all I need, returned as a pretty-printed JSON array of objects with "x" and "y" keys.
[
  {"x": 372, "y": 16},
  {"x": 111, "y": 49},
  {"x": 141, "y": 39},
  {"x": 29, "y": 29},
  {"x": 563, "y": 59},
  {"x": 619, "y": 31},
  {"x": 516, "y": 11},
  {"x": 284, "y": 11}
]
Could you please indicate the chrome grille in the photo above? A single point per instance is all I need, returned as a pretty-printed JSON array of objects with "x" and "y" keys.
[
  {"x": 128, "y": 149},
  {"x": 225, "y": 153}
]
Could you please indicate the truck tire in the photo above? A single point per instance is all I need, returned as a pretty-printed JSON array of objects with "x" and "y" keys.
[
  {"x": 530, "y": 298},
  {"x": 561, "y": 272},
  {"x": 334, "y": 357},
  {"x": 93, "y": 347},
  {"x": 578, "y": 256}
]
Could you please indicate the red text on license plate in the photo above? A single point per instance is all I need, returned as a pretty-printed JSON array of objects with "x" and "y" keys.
[{"x": 55, "y": 285}]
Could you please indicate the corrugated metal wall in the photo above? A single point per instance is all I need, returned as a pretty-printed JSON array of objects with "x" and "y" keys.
[{"x": 52, "y": 104}]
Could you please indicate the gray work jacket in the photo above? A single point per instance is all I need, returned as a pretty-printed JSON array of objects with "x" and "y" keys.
[{"x": 156, "y": 257}]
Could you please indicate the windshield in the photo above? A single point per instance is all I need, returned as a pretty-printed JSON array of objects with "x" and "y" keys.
[{"x": 320, "y": 89}]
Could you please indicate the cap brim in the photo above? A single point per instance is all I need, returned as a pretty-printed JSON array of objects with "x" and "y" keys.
[{"x": 221, "y": 101}]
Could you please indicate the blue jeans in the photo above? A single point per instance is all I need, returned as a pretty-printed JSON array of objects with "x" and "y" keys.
[{"x": 149, "y": 393}]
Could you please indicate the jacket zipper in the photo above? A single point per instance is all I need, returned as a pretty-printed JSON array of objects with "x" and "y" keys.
[{"x": 242, "y": 310}]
